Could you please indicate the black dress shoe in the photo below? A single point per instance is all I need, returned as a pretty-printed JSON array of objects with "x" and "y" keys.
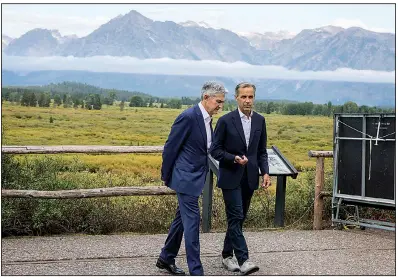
[{"x": 171, "y": 268}]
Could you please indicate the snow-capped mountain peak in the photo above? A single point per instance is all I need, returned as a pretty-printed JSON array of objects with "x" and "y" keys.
[
  {"x": 5, "y": 40},
  {"x": 204, "y": 24},
  {"x": 56, "y": 34},
  {"x": 191, "y": 23},
  {"x": 274, "y": 36},
  {"x": 330, "y": 29},
  {"x": 62, "y": 39}
]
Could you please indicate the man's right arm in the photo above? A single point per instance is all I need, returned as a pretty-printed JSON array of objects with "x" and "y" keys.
[
  {"x": 178, "y": 134},
  {"x": 217, "y": 149}
]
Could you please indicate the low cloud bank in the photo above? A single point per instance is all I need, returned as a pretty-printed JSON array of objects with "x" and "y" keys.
[{"x": 169, "y": 66}]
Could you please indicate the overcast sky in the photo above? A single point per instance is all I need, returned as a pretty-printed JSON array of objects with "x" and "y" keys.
[{"x": 81, "y": 19}]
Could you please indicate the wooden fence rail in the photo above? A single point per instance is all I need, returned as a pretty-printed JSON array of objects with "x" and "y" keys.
[
  {"x": 319, "y": 182},
  {"x": 89, "y": 193},
  {"x": 80, "y": 149},
  {"x": 85, "y": 193},
  {"x": 104, "y": 192}
]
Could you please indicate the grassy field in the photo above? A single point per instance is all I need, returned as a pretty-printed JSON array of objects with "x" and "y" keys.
[{"x": 293, "y": 135}]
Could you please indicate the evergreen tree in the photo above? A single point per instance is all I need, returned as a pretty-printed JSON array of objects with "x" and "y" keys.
[
  {"x": 57, "y": 100},
  {"x": 136, "y": 101}
]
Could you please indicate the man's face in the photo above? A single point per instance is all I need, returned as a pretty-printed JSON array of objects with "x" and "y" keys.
[
  {"x": 245, "y": 99},
  {"x": 214, "y": 103}
]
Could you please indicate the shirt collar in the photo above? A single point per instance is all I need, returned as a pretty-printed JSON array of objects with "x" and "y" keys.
[
  {"x": 243, "y": 115},
  {"x": 206, "y": 115}
]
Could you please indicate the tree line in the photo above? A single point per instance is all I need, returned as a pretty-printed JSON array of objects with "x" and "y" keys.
[
  {"x": 35, "y": 96},
  {"x": 93, "y": 101},
  {"x": 309, "y": 108},
  {"x": 76, "y": 87}
]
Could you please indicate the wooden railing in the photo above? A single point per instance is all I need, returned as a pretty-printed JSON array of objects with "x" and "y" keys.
[
  {"x": 106, "y": 192},
  {"x": 319, "y": 182},
  {"x": 88, "y": 193},
  {"x": 80, "y": 149},
  {"x": 134, "y": 190},
  {"x": 85, "y": 193}
]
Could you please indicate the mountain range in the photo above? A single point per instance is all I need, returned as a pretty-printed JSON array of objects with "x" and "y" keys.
[
  {"x": 325, "y": 48},
  {"x": 5, "y": 41}
]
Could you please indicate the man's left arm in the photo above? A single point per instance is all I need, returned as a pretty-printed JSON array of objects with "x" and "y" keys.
[{"x": 262, "y": 157}]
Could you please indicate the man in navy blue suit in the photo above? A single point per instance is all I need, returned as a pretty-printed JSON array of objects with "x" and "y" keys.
[
  {"x": 184, "y": 169},
  {"x": 240, "y": 146}
]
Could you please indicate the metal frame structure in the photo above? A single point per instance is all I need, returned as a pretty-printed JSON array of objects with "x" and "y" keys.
[{"x": 340, "y": 201}]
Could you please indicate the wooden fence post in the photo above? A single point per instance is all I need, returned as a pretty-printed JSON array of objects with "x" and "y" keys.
[{"x": 318, "y": 202}]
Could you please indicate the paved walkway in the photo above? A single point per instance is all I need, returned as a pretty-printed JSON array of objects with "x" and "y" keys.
[{"x": 290, "y": 252}]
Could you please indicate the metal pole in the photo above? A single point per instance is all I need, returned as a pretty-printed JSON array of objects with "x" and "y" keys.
[
  {"x": 280, "y": 201},
  {"x": 207, "y": 202},
  {"x": 363, "y": 177}
]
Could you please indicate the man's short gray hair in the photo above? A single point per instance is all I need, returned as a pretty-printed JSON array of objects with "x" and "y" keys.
[
  {"x": 213, "y": 88},
  {"x": 244, "y": 85}
]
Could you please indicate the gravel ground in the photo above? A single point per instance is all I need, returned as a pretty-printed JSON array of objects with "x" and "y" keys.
[{"x": 282, "y": 252}]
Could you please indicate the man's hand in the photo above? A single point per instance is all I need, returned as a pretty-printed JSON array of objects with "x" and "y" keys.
[
  {"x": 241, "y": 160},
  {"x": 266, "y": 181}
]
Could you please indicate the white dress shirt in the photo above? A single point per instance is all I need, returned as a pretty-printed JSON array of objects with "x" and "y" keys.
[
  {"x": 207, "y": 120},
  {"x": 247, "y": 125}
]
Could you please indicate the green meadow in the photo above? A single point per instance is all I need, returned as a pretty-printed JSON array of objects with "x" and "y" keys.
[{"x": 293, "y": 135}]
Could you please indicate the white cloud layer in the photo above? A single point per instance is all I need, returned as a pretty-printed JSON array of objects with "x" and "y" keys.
[{"x": 167, "y": 66}]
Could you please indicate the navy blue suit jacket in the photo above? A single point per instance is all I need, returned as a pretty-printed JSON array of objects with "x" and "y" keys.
[
  {"x": 229, "y": 141},
  {"x": 185, "y": 161}
]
